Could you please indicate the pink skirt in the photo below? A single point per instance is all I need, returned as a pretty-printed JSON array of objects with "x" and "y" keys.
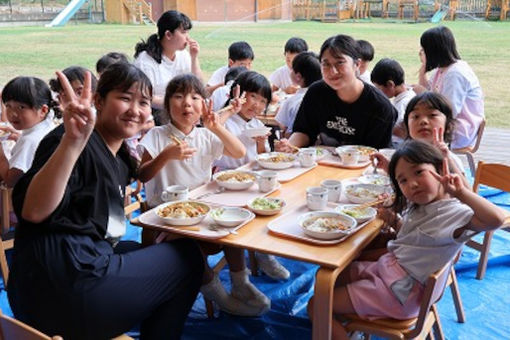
[{"x": 371, "y": 294}]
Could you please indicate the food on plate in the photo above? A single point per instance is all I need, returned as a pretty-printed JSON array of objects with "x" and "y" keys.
[
  {"x": 356, "y": 211},
  {"x": 365, "y": 150},
  {"x": 278, "y": 158},
  {"x": 325, "y": 224},
  {"x": 362, "y": 192},
  {"x": 183, "y": 210},
  {"x": 235, "y": 176},
  {"x": 375, "y": 179},
  {"x": 263, "y": 203}
]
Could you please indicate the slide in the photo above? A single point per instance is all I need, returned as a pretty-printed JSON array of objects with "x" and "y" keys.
[{"x": 67, "y": 13}]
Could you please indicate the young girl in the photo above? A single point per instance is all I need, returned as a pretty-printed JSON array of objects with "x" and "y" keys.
[
  {"x": 189, "y": 162},
  {"x": 439, "y": 215},
  {"x": 70, "y": 275},
  {"x": 257, "y": 91},
  {"x": 27, "y": 106},
  {"x": 429, "y": 118}
]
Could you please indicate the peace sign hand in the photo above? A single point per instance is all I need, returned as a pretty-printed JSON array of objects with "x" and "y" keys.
[
  {"x": 209, "y": 118},
  {"x": 238, "y": 99},
  {"x": 452, "y": 183},
  {"x": 79, "y": 118},
  {"x": 438, "y": 141}
]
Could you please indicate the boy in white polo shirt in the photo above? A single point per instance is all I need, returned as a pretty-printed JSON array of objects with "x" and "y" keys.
[{"x": 280, "y": 79}]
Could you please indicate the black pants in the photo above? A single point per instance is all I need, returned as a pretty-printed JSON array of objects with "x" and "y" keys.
[{"x": 155, "y": 286}]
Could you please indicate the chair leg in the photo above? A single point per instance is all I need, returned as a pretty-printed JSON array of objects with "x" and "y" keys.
[
  {"x": 254, "y": 268},
  {"x": 209, "y": 308},
  {"x": 4, "y": 268},
  {"x": 454, "y": 287},
  {"x": 484, "y": 255},
  {"x": 438, "y": 329}
]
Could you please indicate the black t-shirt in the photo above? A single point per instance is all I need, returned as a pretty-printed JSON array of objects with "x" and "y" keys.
[
  {"x": 368, "y": 121},
  {"x": 93, "y": 196}
]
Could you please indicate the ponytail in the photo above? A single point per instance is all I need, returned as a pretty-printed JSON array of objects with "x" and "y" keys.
[{"x": 152, "y": 47}]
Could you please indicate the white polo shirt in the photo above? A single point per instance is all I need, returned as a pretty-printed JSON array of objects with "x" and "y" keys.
[
  {"x": 218, "y": 77},
  {"x": 288, "y": 110},
  {"x": 192, "y": 172},
  {"x": 281, "y": 77}
]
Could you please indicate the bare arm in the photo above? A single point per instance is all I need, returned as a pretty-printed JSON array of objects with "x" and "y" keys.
[{"x": 194, "y": 49}]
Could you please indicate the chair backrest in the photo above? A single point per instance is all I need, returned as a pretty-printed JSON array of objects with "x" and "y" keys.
[
  {"x": 14, "y": 329},
  {"x": 492, "y": 174},
  {"x": 479, "y": 135},
  {"x": 434, "y": 288}
]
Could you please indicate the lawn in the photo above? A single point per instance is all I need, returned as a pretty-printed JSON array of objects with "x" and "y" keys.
[{"x": 484, "y": 45}]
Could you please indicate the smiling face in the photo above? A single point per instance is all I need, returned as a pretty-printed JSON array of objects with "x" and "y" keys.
[
  {"x": 185, "y": 110},
  {"x": 255, "y": 105},
  {"x": 123, "y": 113},
  {"x": 422, "y": 121},
  {"x": 23, "y": 117},
  {"x": 417, "y": 183},
  {"x": 338, "y": 71}
]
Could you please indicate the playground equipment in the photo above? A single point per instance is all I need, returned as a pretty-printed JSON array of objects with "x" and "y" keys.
[
  {"x": 129, "y": 12},
  {"x": 504, "y": 6},
  {"x": 67, "y": 13}
]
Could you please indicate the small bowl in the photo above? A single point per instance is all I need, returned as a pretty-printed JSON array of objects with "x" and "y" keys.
[
  {"x": 360, "y": 216},
  {"x": 320, "y": 153},
  {"x": 257, "y": 205},
  {"x": 257, "y": 132},
  {"x": 365, "y": 151},
  {"x": 182, "y": 220},
  {"x": 234, "y": 179},
  {"x": 270, "y": 160},
  {"x": 362, "y": 193},
  {"x": 230, "y": 216},
  {"x": 327, "y": 234},
  {"x": 374, "y": 179}
]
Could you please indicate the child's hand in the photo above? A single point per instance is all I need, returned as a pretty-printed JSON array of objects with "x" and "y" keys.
[
  {"x": 209, "y": 118},
  {"x": 382, "y": 161},
  {"x": 452, "y": 183},
  {"x": 79, "y": 118},
  {"x": 283, "y": 145},
  {"x": 13, "y": 133},
  {"x": 238, "y": 100},
  {"x": 438, "y": 141},
  {"x": 194, "y": 48},
  {"x": 179, "y": 151}
]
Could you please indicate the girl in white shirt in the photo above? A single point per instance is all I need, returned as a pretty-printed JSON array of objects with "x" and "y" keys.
[
  {"x": 189, "y": 162},
  {"x": 27, "y": 102}
]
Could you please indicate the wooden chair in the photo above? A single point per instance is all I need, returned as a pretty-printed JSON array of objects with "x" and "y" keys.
[
  {"x": 496, "y": 176},
  {"x": 470, "y": 150},
  {"x": 14, "y": 329},
  {"x": 420, "y": 327},
  {"x": 6, "y": 238}
]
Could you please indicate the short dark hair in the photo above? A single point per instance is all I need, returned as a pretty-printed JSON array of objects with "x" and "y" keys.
[
  {"x": 307, "y": 64},
  {"x": 340, "y": 44},
  {"x": 416, "y": 152},
  {"x": 121, "y": 76},
  {"x": 240, "y": 50},
  {"x": 108, "y": 59},
  {"x": 439, "y": 46},
  {"x": 436, "y": 101},
  {"x": 31, "y": 91},
  {"x": 387, "y": 69},
  {"x": 252, "y": 81},
  {"x": 184, "y": 83},
  {"x": 366, "y": 50},
  {"x": 74, "y": 73},
  {"x": 233, "y": 72},
  {"x": 295, "y": 45}
]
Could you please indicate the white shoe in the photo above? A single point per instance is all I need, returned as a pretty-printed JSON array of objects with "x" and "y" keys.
[
  {"x": 215, "y": 292},
  {"x": 356, "y": 335},
  {"x": 244, "y": 290},
  {"x": 270, "y": 266}
]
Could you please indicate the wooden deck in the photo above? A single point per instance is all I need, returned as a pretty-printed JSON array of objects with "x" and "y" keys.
[{"x": 494, "y": 148}]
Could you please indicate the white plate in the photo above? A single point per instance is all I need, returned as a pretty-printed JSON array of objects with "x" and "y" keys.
[
  {"x": 182, "y": 221},
  {"x": 230, "y": 216},
  {"x": 233, "y": 184},
  {"x": 257, "y": 132},
  {"x": 321, "y": 153},
  {"x": 349, "y": 209},
  {"x": 266, "y": 212},
  {"x": 346, "y": 220},
  {"x": 263, "y": 160},
  {"x": 376, "y": 179},
  {"x": 362, "y": 193},
  {"x": 365, "y": 151}
]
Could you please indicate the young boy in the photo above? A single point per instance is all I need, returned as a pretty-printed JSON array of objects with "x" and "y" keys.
[
  {"x": 280, "y": 79},
  {"x": 388, "y": 76},
  {"x": 367, "y": 55},
  {"x": 109, "y": 59},
  {"x": 240, "y": 53},
  {"x": 306, "y": 69}
]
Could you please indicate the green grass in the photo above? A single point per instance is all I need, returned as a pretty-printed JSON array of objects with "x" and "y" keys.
[{"x": 485, "y": 46}]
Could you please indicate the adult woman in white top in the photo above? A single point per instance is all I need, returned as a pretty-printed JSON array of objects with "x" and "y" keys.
[{"x": 164, "y": 55}]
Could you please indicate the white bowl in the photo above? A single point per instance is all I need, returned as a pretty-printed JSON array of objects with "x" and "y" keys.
[
  {"x": 360, "y": 215},
  {"x": 270, "y": 160},
  {"x": 184, "y": 219},
  {"x": 362, "y": 193},
  {"x": 234, "y": 183},
  {"x": 365, "y": 151},
  {"x": 257, "y": 132},
  {"x": 257, "y": 205},
  {"x": 327, "y": 234},
  {"x": 376, "y": 179},
  {"x": 320, "y": 153},
  {"x": 230, "y": 216}
]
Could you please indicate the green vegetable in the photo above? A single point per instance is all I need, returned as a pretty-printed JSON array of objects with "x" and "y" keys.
[{"x": 266, "y": 204}]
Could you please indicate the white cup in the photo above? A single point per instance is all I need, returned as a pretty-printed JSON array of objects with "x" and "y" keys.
[
  {"x": 316, "y": 198},
  {"x": 350, "y": 156},
  {"x": 267, "y": 180},
  {"x": 334, "y": 189},
  {"x": 174, "y": 193},
  {"x": 307, "y": 157}
]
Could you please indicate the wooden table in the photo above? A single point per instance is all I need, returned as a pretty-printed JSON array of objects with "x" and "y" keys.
[{"x": 331, "y": 259}]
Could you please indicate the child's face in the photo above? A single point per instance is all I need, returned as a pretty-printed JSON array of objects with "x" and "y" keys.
[
  {"x": 124, "y": 113},
  {"x": 388, "y": 89},
  {"x": 423, "y": 120},
  {"x": 241, "y": 62},
  {"x": 417, "y": 183},
  {"x": 338, "y": 72},
  {"x": 255, "y": 105},
  {"x": 185, "y": 110},
  {"x": 23, "y": 117},
  {"x": 289, "y": 56}
]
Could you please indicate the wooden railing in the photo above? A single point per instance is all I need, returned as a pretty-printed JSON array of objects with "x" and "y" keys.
[{"x": 141, "y": 9}]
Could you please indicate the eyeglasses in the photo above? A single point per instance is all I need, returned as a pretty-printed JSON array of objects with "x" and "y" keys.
[{"x": 326, "y": 66}]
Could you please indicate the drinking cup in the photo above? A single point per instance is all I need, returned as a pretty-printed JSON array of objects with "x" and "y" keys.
[
  {"x": 307, "y": 157},
  {"x": 350, "y": 156},
  {"x": 316, "y": 198},
  {"x": 175, "y": 193},
  {"x": 267, "y": 180},
  {"x": 334, "y": 189}
]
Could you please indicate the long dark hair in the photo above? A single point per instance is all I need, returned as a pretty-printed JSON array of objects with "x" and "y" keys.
[
  {"x": 169, "y": 21},
  {"x": 31, "y": 91},
  {"x": 416, "y": 152},
  {"x": 439, "y": 46}
]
